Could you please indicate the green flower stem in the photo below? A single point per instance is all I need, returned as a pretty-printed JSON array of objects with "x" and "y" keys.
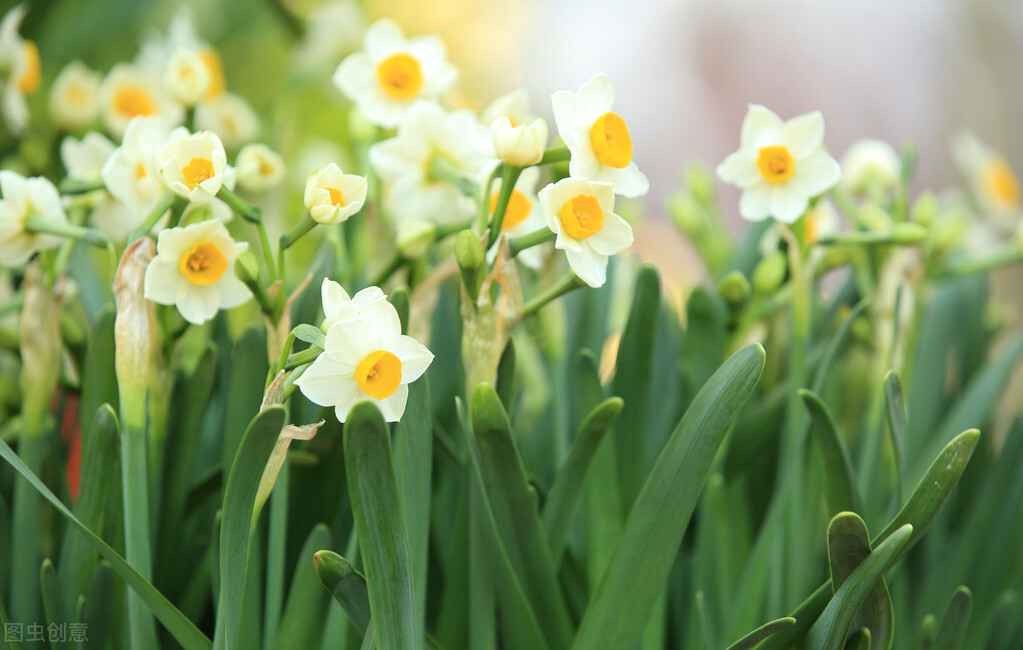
[
  {"x": 37, "y": 224},
  {"x": 567, "y": 283},
  {"x": 266, "y": 303},
  {"x": 282, "y": 362},
  {"x": 25, "y": 514},
  {"x": 302, "y": 358},
  {"x": 452, "y": 229},
  {"x": 161, "y": 206},
  {"x": 77, "y": 217},
  {"x": 296, "y": 233},
  {"x": 555, "y": 155},
  {"x": 846, "y": 204},
  {"x": 269, "y": 268},
  {"x": 136, "y": 520},
  {"x": 385, "y": 273},
  {"x": 1003, "y": 256},
  {"x": 442, "y": 170},
  {"x": 242, "y": 208},
  {"x": 275, "y": 551},
  {"x": 535, "y": 238},
  {"x": 905, "y": 234},
  {"x": 484, "y": 209},
  {"x": 509, "y": 174},
  {"x": 80, "y": 186}
]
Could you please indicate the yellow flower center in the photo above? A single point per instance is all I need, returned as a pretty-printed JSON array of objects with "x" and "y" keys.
[
  {"x": 611, "y": 141},
  {"x": 582, "y": 216},
  {"x": 400, "y": 76},
  {"x": 76, "y": 95},
  {"x": 29, "y": 80},
  {"x": 140, "y": 171},
  {"x": 811, "y": 228},
  {"x": 203, "y": 264},
  {"x": 336, "y": 197},
  {"x": 131, "y": 101},
  {"x": 215, "y": 68},
  {"x": 1001, "y": 183},
  {"x": 775, "y": 164},
  {"x": 516, "y": 212},
  {"x": 196, "y": 171},
  {"x": 379, "y": 374}
]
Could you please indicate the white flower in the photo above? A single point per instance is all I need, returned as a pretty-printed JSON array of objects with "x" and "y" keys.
[
  {"x": 428, "y": 132},
  {"x": 333, "y": 29},
  {"x": 186, "y": 77},
  {"x": 519, "y": 145},
  {"x": 74, "y": 96},
  {"x": 366, "y": 359},
  {"x": 821, "y": 220},
  {"x": 338, "y": 306},
  {"x": 522, "y": 216},
  {"x": 331, "y": 196},
  {"x": 513, "y": 105},
  {"x": 131, "y": 91},
  {"x": 193, "y": 165},
  {"x": 993, "y": 182},
  {"x": 780, "y": 165},
  {"x": 194, "y": 270},
  {"x": 23, "y": 197},
  {"x": 131, "y": 173},
  {"x": 391, "y": 73},
  {"x": 870, "y": 162},
  {"x": 598, "y": 139},
  {"x": 581, "y": 213},
  {"x": 414, "y": 237},
  {"x": 259, "y": 167},
  {"x": 19, "y": 59},
  {"x": 230, "y": 117},
  {"x": 157, "y": 51},
  {"x": 84, "y": 160}
]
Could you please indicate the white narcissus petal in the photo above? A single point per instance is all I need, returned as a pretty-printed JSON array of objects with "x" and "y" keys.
[
  {"x": 760, "y": 126},
  {"x": 414, "y": 357},
  {"x": 739, "y": 169},
  {"x": 614, "y": 237},
  {"x": 324, "y": 380},
  {"x": 819, "y": 172},
  {"x": 787, "y": 207},
  {"x": 233, "y": 291},
  {"x": 595, "y": 98},
  {"x": 628, "y": 181},
  {"x": 804, "y": 134},
  {"x": 333, "y": 297},
  {"x": 161, "y": 281},
  {"x": 589, "y": 266},
  {"x": 197, "y": 304},
  {"x": 755, "y": 203},
  {"x": 393, "y": 406},
  {"x": 349, "y": 341}
]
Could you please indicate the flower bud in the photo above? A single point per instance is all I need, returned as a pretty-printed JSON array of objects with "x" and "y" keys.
[
  {"x": 187, "y": 77},
  {"x": 520, "y": 146},
  {"x": 687, "y": 214},
  {"x": 875, "y": 217},
  {"x": 910, "y": 233},
  {"x": 701, "y": 183},
  {"x": 39, "y": 334},
  {"x": 870, "y": 162},
  {"x": 331, "y": 196},
  {"x": 734, "y": 288},
  {"x": 769, "y": 273},
  {"x": 74, "y": 96},
  {"x": 136, "y": 333},
  {"x": 470, "y": 257},
  {"x": 259, "y": 167},
  {"x": 924, "y": 210},
  {"x": 246, "y": 267},
  {"x": 414, "y": 238}
]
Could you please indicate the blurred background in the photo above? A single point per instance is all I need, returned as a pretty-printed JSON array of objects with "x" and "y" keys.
[{"x": 684, "y": 71}]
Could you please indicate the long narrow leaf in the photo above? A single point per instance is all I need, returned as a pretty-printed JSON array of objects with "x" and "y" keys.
[
  {"x": 848, "y": 547},
  {"x": 346, "y": 585},
  {"x": 761, "y": 633},
  {"x": 841, "y": 490}
]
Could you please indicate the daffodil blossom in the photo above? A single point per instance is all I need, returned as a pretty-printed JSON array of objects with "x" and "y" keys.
[
  {"x": 366, "y": 359},
  {"x": 513, "y": 105},
  {"x": 131, "y": 172},
  {"x": 392, "y": 72},
  {"x": 581, "y": 213},
  {"x": 994, "y": 185},
  {"x": 74, "y": 96},
  {"x": 230, "y": 117},
  {"x": 331, "y": 196},
  {"x": 193, "y": 165},
  {"x": 159, "y": 49},
  {"x": 404, "y": 162},
  {"x": 598, "y": 138},
  {"x": 19, "y": 58},
  {"x": 194, "y": 270},
  {"x": 131, "y": 91},
  {"x": 780, "y": 165},
  {"x": 186, "y": 77},
  {"x": 338, "y": 306},
  {"x": 870, "y": 162},
  {"x": 84, "y": 160},
  {"x": 23, "y": 197},
  {"x": 259, "y": 167},
  {"x": 522, "y": 216},
  {"x": 519, "y": 145}
]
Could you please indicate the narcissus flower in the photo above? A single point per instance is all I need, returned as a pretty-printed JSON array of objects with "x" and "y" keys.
[
  {"x": 194, "y": 270},
  {"x": 994, "y": 184},
  {"x": 186, "y": 77},
  {"x": 522, "y": 216},
  {"x": 84, "y": 160},
  {"x": 428, "y": 132},
  {"x": 230, "y": 117},
  {"x": 338, "y": 306},
  {"x": 521, "y": 145},
  {"x": 780, "y": 165},
  {"x": 259, "y": 167},
  {"x": 331, "y": 196},
  {"x": 581, "y": 213},
  {"x": 513, "y": 105},
  {"x": 132, "y": 91},
  {"x": 193, "y": 165},
  {"x": 132, "y": 172},
  {"x": 366, "y": 359},
  {"x": 74, "y": 96},
  {"x": 870, "y": 162},
  {"x": 392, "y": 72},
  {"x": 23, "y": 197},
  {"x": 599, "y": 140},
  {"x": 19, "y": 61}
]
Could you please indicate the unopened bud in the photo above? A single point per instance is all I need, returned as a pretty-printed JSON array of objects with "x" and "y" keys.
[
  {"x": 414, "y": 238},
  {"x": 470, "y": 257},
  {"x": 874, "y": 217},
  {"x": 187, "y": 77},
  {"x": 687, "y": 214},
  {"x": 769, "y": 273},
  {"x": 735, "y": 288},
  {"x": 246, "y": 267},
  {"x": 520, "y": 146},
  {"x": 39, "y": 334},
  {"x": 910, "y": 233},
  {"x": 701, "y": 183},
  {"x": 924, "y": 210},
  {"x": 136, "y": 333}
]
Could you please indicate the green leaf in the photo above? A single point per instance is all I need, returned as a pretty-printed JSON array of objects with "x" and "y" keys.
[
  {"x": 859, "y": 640},
  {"x": 380, "y": 527},
  {"x": 835, "y": 344},
  {"x": 98, "y": 605},
  {"x": 346, "y": 585},
  {"x": 515, "y": 516},
  {"x": 413, "y": 464},
  {"x": 761, "y": 633},
  {"x": 953, "y": 627},
  {"x": 53, "y": 607},
  {"x": 244, "y": 389},
  {"x": 400, "y": 299},
  {"x": 634, "y": 580},
  {"x": 305, "y": 610},
  {"x": 841, "y": 491},
  {"x": 632, "y": 382},
  {"x": 898, "y": 423},
  {"x": 237, "y": 515},
  {"x": 567, "y": 491},
  {"x": 310, "y": 334},
  {"x": 99, "y": 382},
  {"x": 506, "y": 375},
  {"x": 829, "y": 632},
  {"x": 182, "y": 629},
  {"x": 848, "y": 546}
]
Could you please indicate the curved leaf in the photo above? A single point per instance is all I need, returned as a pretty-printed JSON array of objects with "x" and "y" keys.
[
  {"x": 761, "y": 633},
  {"x": 346, "y": 585},
  {"x": 848, "y": 546},
  {"x": 841, "y": 491}
]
